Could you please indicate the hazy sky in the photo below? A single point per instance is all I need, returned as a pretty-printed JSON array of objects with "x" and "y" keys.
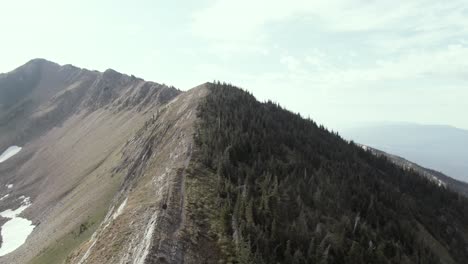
[{"x": 339, "y": 62}]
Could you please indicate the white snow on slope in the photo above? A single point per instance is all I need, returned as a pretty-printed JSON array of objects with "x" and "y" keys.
[
  {"x": 13, "y": 213},
  {"x": 16, "y": 230},
  {"x": 4, "y": 197},
  {"x": 10, "y": 152}
]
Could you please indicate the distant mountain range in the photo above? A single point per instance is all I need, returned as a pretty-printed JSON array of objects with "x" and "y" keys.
[
  {"x": 437, "y": 177},
  {"x": 441, "y": 148}
]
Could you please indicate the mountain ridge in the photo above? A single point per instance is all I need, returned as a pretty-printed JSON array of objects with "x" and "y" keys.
[
  {"x": 70, "y": 122},
  {"x": 63, "y": 90},
  {"x": 126, "y": 171},
  {"x": 336, "y": 202}
]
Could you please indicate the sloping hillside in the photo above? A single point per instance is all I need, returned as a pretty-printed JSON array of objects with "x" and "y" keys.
[
  {"x": 289, "y": 191},
  {"x": 41, "y": 94},
  {"x": 74, "y": 126}
]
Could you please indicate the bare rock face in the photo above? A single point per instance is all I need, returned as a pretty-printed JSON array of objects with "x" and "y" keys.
[
  {"x": 41, "y": 94},
  {"x": 148, "y": 227},
  {"x": 104, "y": 163}
]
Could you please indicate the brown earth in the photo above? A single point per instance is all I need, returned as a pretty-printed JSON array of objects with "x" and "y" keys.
[{"x": 104, "y": 161}]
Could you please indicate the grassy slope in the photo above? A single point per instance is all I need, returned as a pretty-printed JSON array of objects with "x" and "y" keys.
[{"x": 59, "y": 251}]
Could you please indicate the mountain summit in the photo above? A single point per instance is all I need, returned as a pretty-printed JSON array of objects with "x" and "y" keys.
[{"x": 109, "y": 168}]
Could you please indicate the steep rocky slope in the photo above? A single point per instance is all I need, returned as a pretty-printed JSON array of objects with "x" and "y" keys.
[
  {"x": 146, "y": 222},
  {"x": 75, "y": 127}
]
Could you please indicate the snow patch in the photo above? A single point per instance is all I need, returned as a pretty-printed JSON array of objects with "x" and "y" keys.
[
  {"x": 10, "y": 152},
  {"x": 16, "y": 230},
  {"x": 9, "y": 186},
  {"x": 14, "y": 213},
  {"x": 4, "y": 197}
]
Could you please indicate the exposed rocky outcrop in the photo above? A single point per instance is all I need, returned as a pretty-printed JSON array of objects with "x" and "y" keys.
[
  {"x": 103, "y": 154},
  {"x": 41, "y": 94},
  {"x": 148, "y": 228}
]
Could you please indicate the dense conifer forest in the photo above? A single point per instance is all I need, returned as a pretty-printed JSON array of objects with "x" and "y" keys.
[{"x": 290, "y": 191}]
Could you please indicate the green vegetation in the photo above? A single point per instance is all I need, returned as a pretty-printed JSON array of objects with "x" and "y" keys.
[
  {"x": 206, "y": 231},
  {"x": 289, "y": 191},
  {"x": 59, "y": 251}
]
